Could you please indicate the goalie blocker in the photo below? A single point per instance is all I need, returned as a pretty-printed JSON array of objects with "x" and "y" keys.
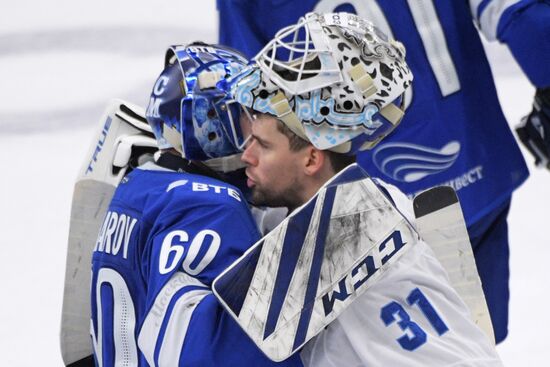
[
  {"x": 122, "y": 141},
  {"x": 340, "y": 260},
  {"x": 302, "y": 275}
]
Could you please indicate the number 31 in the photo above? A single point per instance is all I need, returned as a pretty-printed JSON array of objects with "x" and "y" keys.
[{"x": 393, "y": 312}]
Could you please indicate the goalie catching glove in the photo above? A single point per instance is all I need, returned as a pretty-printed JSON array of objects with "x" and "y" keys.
[{"x": 534, "y": 130}]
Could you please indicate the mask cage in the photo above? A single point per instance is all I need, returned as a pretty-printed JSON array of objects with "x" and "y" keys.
[{"x": 299, "y": 59}]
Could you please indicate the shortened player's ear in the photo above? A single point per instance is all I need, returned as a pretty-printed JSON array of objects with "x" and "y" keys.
[{"x": 315, "y": 161}]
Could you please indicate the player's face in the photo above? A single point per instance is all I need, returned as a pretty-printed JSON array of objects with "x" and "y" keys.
[{"x": 273, "y": 170}]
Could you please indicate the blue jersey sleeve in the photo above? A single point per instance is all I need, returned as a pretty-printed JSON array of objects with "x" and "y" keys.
[
  {"x": 219, "y": 341},
  {"x": 524, "y": 26},
  {"x": 186, "y": 323}
]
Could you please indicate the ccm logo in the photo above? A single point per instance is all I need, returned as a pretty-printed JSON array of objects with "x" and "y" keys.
[{"x": 363, "y": 271}]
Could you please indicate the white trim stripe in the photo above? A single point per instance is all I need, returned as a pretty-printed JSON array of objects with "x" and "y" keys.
[
  {"x": 435, "y": 44},
  {"x": 176, "y": 330},
  {"x": 490, "y": 18},
  {"x": 474, "y": 5},
  {"x": 150, "y": 330}
]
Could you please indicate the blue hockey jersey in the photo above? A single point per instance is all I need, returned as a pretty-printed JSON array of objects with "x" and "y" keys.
[
  {"x": 165, "y": 237},
  {"x": 454, "y": 131}
]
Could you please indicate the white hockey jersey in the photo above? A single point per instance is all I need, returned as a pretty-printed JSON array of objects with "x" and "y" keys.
[
  {"x": 349, "y": 259},
  {"x": 410, "y": 317}
]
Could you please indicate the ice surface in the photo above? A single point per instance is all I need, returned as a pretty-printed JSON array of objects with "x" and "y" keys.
[{"x": 60, "y": 61}]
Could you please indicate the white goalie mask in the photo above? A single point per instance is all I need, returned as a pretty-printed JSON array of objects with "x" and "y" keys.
[{"x": 334, "y": 79}]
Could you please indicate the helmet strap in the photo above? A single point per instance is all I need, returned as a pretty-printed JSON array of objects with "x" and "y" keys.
[
  {"x": 363, "y": 80},
  {"x": 226, "y": 164},
  {"x": 282, "y": 109},
  {"x": 176, "y": 163},
  {"x": 173, "y": 137},
  {"x": 392, "y": 113}
]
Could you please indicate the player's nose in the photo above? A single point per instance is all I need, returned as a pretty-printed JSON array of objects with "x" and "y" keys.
[{"x": 248, "y": 155}]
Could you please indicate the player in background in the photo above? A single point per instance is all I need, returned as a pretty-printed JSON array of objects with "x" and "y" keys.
[
  {"x": 173, "y": 225},
  {"x": 324, "y": 89},
  {"x": 455, "y": 132},
  {"x": 534, "y": 129}
]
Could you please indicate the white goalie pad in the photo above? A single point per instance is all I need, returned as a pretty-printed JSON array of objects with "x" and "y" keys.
[
  {"x": 441, "y": 224},
  {"x": 121, "y": 129},
  {"x": 296, "y": 280}
]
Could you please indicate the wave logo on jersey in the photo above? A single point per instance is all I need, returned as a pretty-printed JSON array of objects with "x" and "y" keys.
[{"x": 407, "y": 162}]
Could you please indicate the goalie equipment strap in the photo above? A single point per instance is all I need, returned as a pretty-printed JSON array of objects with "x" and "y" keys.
[
  {"x": 281, "y": 106},
  {"x": 284, "y": 112},
  {"x": 180, "y": 164},
  {"x": 366, "y": 85}
]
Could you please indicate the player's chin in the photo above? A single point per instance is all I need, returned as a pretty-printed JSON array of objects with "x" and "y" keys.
[{"x": 259, "y": 198}]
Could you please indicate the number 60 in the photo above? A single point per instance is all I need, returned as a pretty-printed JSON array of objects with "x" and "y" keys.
[{"x": 174, "y": 243}]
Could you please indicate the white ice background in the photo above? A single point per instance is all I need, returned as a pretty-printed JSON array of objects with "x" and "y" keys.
[{"x": 61, "y": 61}]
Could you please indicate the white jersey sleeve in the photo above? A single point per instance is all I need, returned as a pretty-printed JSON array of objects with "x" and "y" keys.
[{"x": 411, "y": 317}]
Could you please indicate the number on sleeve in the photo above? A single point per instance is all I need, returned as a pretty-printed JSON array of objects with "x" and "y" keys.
[
  {"x": 414, "y": 335},
  {"x": 417, "y": 297},
  {"x": 393, "y": 311}
]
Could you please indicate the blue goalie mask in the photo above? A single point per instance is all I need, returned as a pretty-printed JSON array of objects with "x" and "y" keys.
[{"x": 189, "y": 109}]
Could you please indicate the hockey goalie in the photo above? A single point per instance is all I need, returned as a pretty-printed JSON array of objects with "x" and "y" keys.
[{"x": 180, "y": 275}]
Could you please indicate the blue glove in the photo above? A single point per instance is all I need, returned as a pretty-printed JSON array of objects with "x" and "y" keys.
[{"x": 534, "y": 129}]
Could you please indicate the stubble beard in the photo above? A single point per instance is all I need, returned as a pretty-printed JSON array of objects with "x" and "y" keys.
[{"x": 289, "y": 197}]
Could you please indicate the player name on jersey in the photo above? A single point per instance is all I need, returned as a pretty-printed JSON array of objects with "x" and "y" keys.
[{"x": 115, "y": 234}]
